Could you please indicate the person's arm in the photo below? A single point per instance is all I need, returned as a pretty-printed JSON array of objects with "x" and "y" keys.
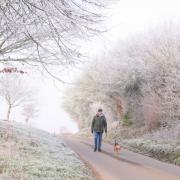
[
  {"x": 105, "y": 125},
  {"x": 92, "y": 125}
]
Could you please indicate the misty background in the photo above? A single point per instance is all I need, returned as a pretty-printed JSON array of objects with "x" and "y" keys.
[{"x": 125, "y": 19}]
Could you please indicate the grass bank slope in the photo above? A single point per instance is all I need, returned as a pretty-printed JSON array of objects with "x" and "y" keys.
[{"x": 32, "y": 154}]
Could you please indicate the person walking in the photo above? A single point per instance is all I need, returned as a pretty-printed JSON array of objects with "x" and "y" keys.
[{"x": 98, "y": 126}]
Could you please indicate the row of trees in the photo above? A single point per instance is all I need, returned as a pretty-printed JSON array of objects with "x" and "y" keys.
[{"x": 137, "y": 83}]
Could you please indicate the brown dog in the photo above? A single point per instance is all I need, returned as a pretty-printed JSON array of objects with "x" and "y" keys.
[{"x": 117, "y": 147}]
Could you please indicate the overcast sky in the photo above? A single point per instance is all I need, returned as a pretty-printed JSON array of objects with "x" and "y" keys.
[{"x": 126, "y": 18}]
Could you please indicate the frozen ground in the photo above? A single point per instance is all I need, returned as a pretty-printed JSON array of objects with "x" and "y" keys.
[
  {"x": 160, "y": 144},
  {"x": 32, "y": 154}
]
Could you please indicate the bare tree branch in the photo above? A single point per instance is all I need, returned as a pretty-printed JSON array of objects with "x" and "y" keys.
[{"x": 54, "y": 25}]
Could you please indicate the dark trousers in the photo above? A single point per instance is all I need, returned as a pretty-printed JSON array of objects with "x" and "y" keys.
[{"x": 97, "y": 139}]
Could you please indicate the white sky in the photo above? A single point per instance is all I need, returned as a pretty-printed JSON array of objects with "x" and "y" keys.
[
  {"x": 129, "y": 17},
  {"x": 126, "y": 18}
]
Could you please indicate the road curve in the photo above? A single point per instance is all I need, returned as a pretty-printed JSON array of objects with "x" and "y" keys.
[{"x": 127, "y": 166}]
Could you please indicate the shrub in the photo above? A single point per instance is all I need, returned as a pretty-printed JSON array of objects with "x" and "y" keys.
[{"x": 126, "y": 120}]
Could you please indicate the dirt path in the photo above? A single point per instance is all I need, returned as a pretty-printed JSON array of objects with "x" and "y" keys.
[{"x": 127, "y": 166}]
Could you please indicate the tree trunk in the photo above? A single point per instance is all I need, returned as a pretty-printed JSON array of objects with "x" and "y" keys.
[
  {"x": 9, "y": 127},
  {"x": 9, "y": 111},
  {"x": 27, "y": 120}
]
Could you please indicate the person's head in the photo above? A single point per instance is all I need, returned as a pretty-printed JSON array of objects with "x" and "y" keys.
[
  {"x": 100, "y": 110},
  {"x": 99, "y": 113}
]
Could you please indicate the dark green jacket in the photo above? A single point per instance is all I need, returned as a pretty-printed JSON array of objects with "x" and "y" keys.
[{"x": 99, "y": 124}]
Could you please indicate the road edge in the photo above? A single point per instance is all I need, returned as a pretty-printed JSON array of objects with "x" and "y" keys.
[{"x": 94, "y": 171}]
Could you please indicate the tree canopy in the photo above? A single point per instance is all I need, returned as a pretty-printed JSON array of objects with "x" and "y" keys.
[{"x": 46, "y": 32}]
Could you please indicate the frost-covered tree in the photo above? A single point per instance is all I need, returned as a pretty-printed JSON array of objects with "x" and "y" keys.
[
  {"x": 138, "y": 81},
  {"x": 29, "y": 111},
  {"x": 14, "y": 92},
  {"x": 46, "y": 32}
]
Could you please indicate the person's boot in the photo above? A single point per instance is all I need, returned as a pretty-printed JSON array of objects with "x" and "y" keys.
[
  {"x": 95, "y": 149},
  {"x": 99, "y": 150}
]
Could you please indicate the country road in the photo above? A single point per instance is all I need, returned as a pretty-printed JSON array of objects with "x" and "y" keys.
[{"x": 127, "y": 166}]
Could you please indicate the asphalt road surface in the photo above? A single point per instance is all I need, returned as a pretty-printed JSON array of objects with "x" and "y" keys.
[{"x": 125, "y": 166}]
